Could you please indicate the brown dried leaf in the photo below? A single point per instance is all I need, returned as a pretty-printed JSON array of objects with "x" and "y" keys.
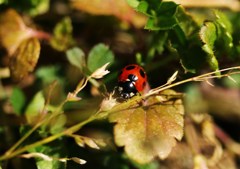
[
  {"x": 149, "y": 131},
  {"x": 25, "y": 58},
  {"x": 13, "y": 30},
  {"x": 118, "y": 8}
]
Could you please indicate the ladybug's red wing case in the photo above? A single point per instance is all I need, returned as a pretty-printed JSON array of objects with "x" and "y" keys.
[{"x": 132, "y": 80}]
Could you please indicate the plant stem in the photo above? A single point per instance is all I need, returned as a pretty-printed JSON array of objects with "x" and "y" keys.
[
  {"x": 47, "y": 140},
  {"x": 10, "y": 153}
]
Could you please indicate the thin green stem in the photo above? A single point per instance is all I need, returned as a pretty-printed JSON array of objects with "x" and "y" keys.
[
  {"x": 96, "y": 116},
  {"x": 19, "y": 142},
  {"x": 68, "y": 131},
  {"x": 22, "y": 139}
]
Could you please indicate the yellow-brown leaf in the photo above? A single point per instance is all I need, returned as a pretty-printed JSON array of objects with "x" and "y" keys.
[
  {"x": 13, "y": 31},
  {"x": 151, "y": 130},
  {"x": 25, "y": 58}
]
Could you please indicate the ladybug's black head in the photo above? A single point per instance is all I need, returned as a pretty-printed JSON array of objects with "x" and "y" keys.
[{"x": 127, "y": 89}]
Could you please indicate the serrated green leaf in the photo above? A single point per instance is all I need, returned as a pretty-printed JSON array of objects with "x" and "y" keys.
[
  {"x": 167, "y": 9},
  {"x": 164, "y": 15},
  {"x": 99, "y": 56},
  {"x": 17, "y": 100},
  {"x": 224, "y": 26},
  {"x": 223, "y": 20},
  {"x": 208, "y": 35},
  {"x": 161, "y": 23},
  {"x": 76, "y": 57}
]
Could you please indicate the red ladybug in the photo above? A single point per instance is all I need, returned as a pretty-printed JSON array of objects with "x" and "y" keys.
[{"x": 131, "y": 80}]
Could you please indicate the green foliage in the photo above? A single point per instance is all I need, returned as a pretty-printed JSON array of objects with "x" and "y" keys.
[
  {"x": 31, "y": 7},
  {"x": 161, "y": 15},
  {"x": 232, "y": 81},
  {"x": 208, "y": 35},
  {"x": 98, "y": 56},
  {"x": 76, "y": 57},
  {"x": 53, "y": 153},
  {"x": 62, "y": 38},
  {"x": 60, "y": 115},
  {"x": 225, "y": 40},
  {"x": 48, "y": 74},
  {"x": 35, "y": 107},
  {"x": 17, "y": 100}
]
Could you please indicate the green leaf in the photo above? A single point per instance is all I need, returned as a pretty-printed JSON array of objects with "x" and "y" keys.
[
  {"x": 3, "y": 2},
  {"x": 143, "y": 7},
  {"x": 232, "y": 81},
  {"x": 99, "y": 56},
  {"x": 151, "y": 130},
  {"x": 17, "y": 100},
  {"x": 161, "y": 23},
  {"x": 158, "y": 42},
  {"x": 48, "y": 74},
  {"x": 164, "y": 18},
  {"x": 168, "y": 9},
  {"x": 57, "y": 124},
  {"x": 54, "y": 151},
  {"x": 35, "y": 107},
  {"x": 151, "y": 165},
  {"x": 223, "y": 20},
  {"x": 62, "y": 38},
  {"x": 208, "y": 35},
  {"x": 37, "y": 7},
  {"x": 133, "y": 3},
  {"x": 224, "y": 26},
  {"x": 76, "y": 57},
  {"x": 30, "y": 7}
]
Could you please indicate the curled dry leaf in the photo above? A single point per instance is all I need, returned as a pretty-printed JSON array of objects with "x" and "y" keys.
[
  {"x": 25, "y": 58},
  {"x": 151, "y": 130},
  {"x": 13, "y": 31}
]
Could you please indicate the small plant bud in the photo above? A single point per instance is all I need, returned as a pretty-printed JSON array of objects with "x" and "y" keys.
[{"x": 100, "y": 72}]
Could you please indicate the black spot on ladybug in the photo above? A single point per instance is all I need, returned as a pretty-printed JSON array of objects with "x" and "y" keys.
[
  {"x": 130, "y": 67},
  {"x": 132, "y": 77},
  {"x": 142, "y": 73}
]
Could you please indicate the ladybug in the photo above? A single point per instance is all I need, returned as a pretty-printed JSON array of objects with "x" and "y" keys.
[{"x": 132, "y": 79}]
